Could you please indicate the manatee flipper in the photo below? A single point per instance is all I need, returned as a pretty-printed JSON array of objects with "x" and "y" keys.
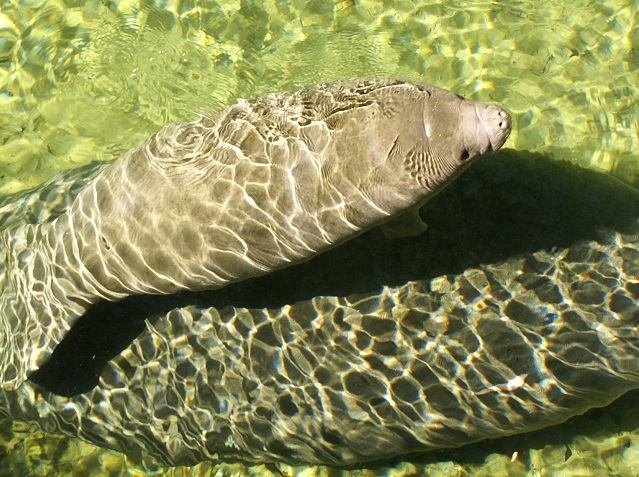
[{"x": 409, "y": 224}]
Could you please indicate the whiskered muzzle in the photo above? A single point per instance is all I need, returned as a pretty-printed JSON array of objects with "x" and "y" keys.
[{"x": 498, "y": 124}]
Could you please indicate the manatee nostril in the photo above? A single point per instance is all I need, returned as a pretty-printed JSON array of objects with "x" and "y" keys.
[
  {"x": 498, "y": 124},
  {"x": 505, "y": 122}
]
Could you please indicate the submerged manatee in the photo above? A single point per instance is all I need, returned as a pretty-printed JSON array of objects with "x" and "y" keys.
[{"x": 263, "y": 185}]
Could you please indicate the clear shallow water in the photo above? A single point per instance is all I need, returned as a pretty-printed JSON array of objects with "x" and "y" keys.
[
  {"x": 86, "y": 81},
  {"x": 81, "y": 81}
]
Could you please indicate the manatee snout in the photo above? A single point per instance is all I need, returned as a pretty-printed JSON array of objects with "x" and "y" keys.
[
  {"x": 485, "y": 127},
  {"x": 497, "y": 124}
]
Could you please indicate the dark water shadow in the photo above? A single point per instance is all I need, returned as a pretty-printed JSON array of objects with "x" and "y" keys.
[{"x": 506, "y": 205}]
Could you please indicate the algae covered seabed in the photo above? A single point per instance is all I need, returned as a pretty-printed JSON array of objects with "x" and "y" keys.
[{"x": 85, "y": 81}]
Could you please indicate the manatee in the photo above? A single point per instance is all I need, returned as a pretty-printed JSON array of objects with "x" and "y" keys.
[
  {"x": 518, "y": 309},
  {"x": 263, "y": 185}
]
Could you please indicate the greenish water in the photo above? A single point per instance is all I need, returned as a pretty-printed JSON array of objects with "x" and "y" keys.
[
  {"x": 81, "y": 81},
  {"x": 85, "y": 81}
]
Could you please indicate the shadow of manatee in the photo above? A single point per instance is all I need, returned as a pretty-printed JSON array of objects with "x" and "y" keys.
[{"x": 504, "y": 206}]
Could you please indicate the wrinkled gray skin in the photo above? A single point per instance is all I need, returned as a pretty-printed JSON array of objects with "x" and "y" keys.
[{"x": 263, "y": 185}]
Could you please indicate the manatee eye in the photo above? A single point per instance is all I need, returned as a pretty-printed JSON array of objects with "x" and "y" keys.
[{"x": 464, "y": 155}]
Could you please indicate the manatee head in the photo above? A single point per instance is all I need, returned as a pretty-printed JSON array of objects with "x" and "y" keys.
[
  {"x": 430, "y": 133},
  {"x": 457, "y": 131}
]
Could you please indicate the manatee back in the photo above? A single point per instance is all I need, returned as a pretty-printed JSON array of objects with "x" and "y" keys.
[{"x": 263, "y": 185}]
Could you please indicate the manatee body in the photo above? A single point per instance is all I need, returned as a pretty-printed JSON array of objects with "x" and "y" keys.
[{"x": 261, "y": 186}]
